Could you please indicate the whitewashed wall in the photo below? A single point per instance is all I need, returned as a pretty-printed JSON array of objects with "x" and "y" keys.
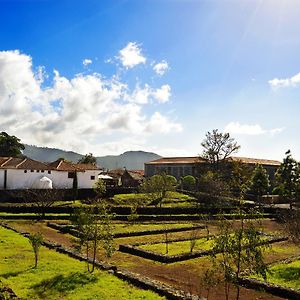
[
  {"x": 84, "y": 179},
  {"x": 17, "y": 179},
  {"x": 60, "y": 180}
]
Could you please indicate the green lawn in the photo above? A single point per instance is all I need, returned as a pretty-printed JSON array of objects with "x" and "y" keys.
[
  {"x": 172, "y": 199},
  {"x": 57, "y": 275},
  {"x": 179, "y": 247},
  {"x": 287, "y": 275}
]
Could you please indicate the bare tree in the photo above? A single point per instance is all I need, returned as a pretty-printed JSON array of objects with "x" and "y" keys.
[{"x": 218, "y": 146}]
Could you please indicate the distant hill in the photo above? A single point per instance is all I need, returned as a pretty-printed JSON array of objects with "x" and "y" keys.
[{"x": 132, "y": 160}]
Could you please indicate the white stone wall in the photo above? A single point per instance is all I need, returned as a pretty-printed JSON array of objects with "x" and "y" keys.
[
  {"x": 84, "y": 179},
  {"x": 18, "y": 179}
]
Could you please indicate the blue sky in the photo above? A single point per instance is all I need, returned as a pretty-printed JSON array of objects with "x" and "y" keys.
[{"x": 110, "y": 76}]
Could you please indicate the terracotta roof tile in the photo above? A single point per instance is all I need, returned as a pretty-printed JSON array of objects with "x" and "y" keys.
[
  {"x": 260, "y": 161},
  {"x": 195, "y": 159},
  {"x": 177, "y": 160},
  {"x": 87, "y": 167},
  {"x": 22, "y": 163}
]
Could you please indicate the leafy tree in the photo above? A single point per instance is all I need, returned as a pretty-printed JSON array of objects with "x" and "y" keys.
[
  {"x": 288, "y": 178},
  {"x": 10, "y": 145},
  {"x": 259, "y": 183},
  {"x": 239, "y": 177},
  {"x": 88, "y": 159},
  {"x": 188, "y": 182},
  {"x": 36, "y": 240},
  {"x": 100, "y": 188},
  {"x": 211, "y": 188},
  {"x": 292, "y": 225},
  {"x": 94, "y": 231},
  {"x": 239, "y": 248},
  {"x": 218, "y": 146},
  {"x": 157, "y": 187}
]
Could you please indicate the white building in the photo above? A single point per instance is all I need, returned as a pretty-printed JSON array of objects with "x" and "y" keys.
[{"x": 24, "y": 173}]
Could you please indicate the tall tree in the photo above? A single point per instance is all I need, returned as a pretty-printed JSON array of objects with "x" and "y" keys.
[
  {"x": 10, "y": 145},
  {"x": 218, "y": 146},
  {"x": 288, "y": 178},
  {"x": 260, "y": 182},
  {"x": 88, "y": 159}
]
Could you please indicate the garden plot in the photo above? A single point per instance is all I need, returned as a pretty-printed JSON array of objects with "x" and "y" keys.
[
  {"x": 171, "y": 251},
  {"x": 57, "y": 275},
  {"x": 128, "y": 230}
]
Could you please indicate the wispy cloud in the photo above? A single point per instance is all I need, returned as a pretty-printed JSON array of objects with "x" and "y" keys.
[
  {"x": 246, "y": 129},
  {"x": 285, "y": 82},
  {"x": 87, "y": 62},
  {"x": 131, "y": 55},
  {"x": 161, "y": 68}
]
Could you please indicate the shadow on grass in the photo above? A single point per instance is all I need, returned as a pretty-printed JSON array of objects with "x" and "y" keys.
[
  {"x": 13, "y": 274},
  {"x": 62, "y": 283},
  {"x": 287, "y": 274}
]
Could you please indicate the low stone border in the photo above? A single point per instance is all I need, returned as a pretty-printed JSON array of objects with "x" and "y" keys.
[
  {"x": 276, "y": 290},
  {"x": 164, "y": 258},
  {"x": 133, "y": 278},
  {"x": 68, "y": 229}
]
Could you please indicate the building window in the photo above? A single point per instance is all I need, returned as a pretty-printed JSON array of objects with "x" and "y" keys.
[
  {"x": 31, "y": 171},
  {"x": 38, "y": 171},
  {"x": 71, "y": 174},
  {"x": 49, "y": 172},
  {"x": 25, "y": 171},
  {"x": 42, "y": 171},
  {"x": 92, "y": 177}
]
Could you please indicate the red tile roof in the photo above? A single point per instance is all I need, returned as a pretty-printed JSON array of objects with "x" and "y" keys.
[
  {"x": 22, "y": 163},
  {"x": 196, "y": 159},
  {"x": 86, "y": 167},
  {"x": 176, "y": 160},
  {"x": 248, "y": 160}
]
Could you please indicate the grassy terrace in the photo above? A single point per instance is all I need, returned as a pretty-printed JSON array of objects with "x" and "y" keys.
[
  {"x": 172, "y": 199},
  {"x": 287, "y": 275},
  {"x": 57, "y": 276},
  {"x": 179, "y": 247}
]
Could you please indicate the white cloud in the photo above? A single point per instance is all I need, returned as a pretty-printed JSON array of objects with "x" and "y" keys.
[
  {"x": 144, "y": 94},
  {"x": 87, "y": 62},
  {"x": 286, "y": 82},
  {"x": 131, "y": 55},
  {"x": 74, "y": 113},
  {"x": 160, "y": 123},
  {"x": 161, "y": 68},
  {"x": 246, "y": 129},
  {"x": 162, "y": 94}
]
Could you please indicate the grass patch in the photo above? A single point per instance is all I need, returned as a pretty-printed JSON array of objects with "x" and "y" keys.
[
  {"x": 172, "y": 199},
  {"x": 57, "y": 276},
  {"x": 179, "y": 247},
  {"x": 287, "y": 275}
]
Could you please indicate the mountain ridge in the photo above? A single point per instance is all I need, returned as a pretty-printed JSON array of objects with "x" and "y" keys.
[{"x": 131, "y": 160}]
